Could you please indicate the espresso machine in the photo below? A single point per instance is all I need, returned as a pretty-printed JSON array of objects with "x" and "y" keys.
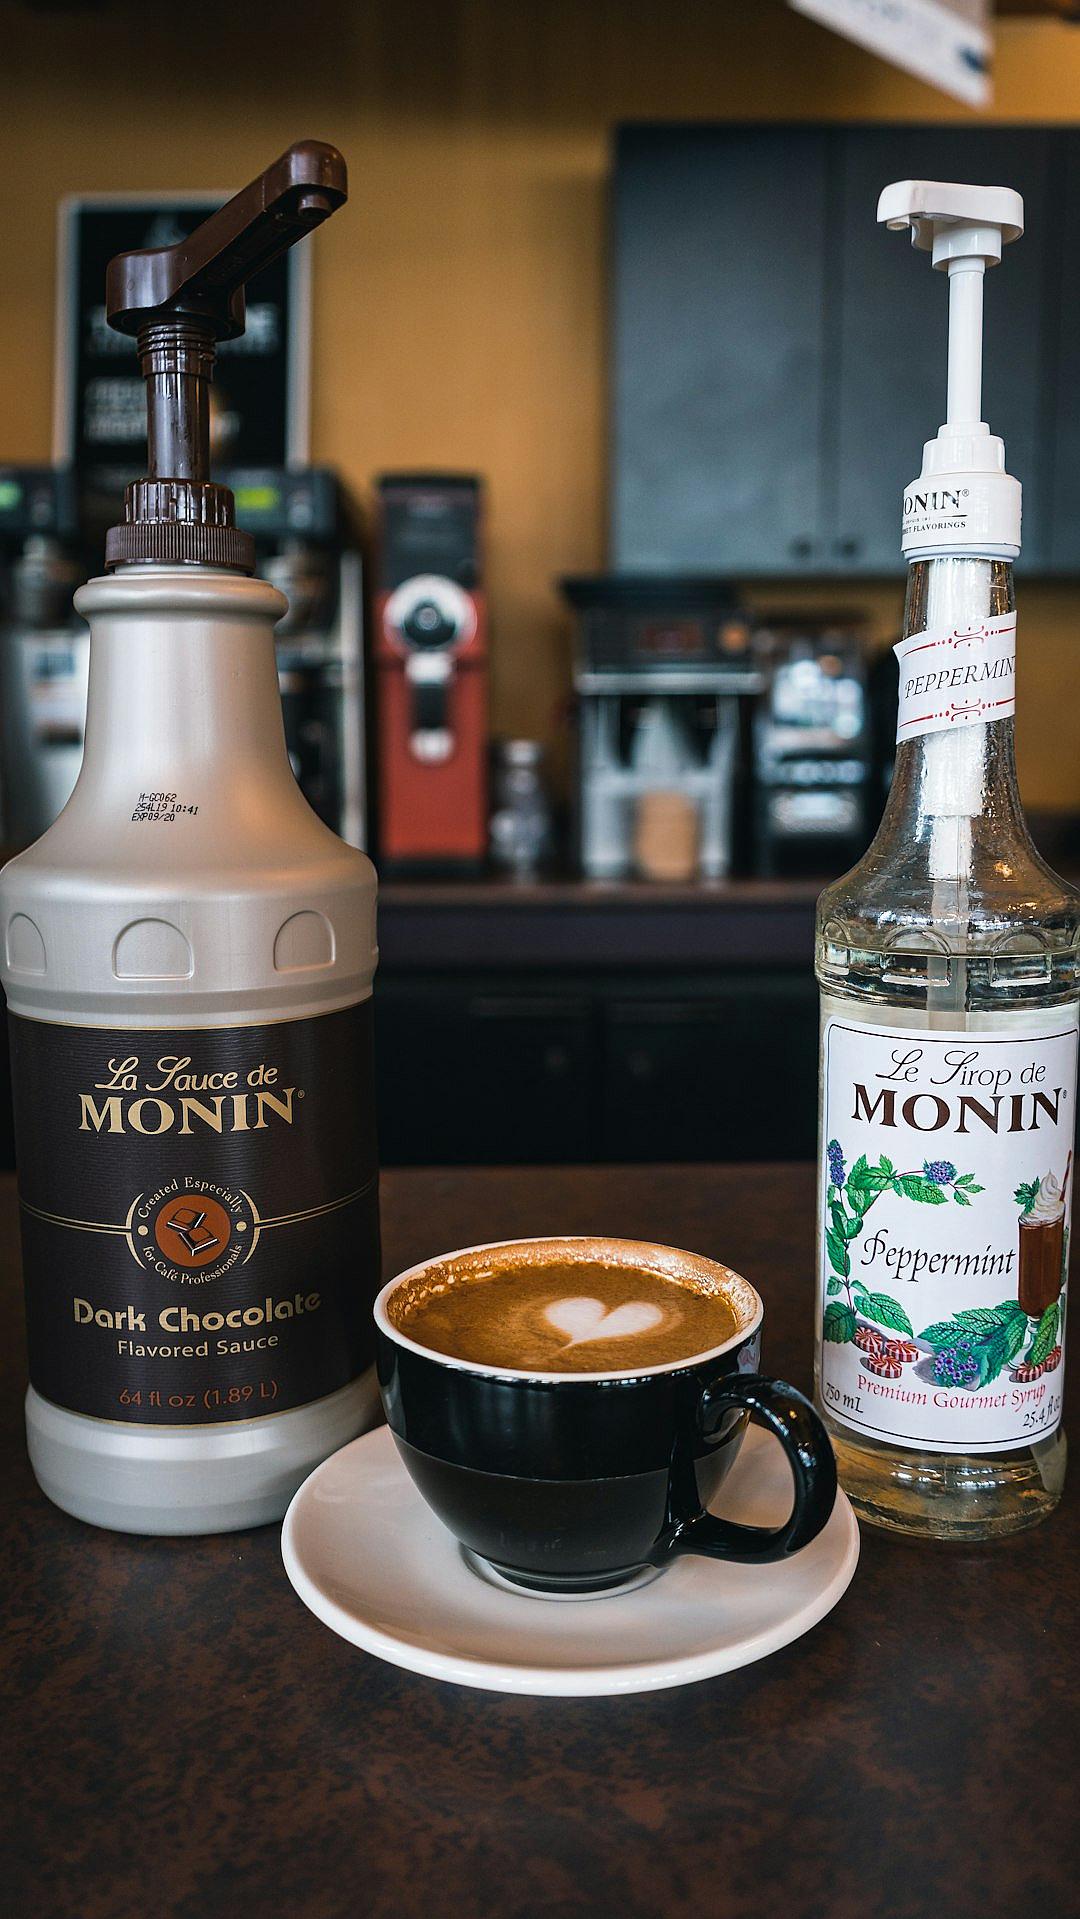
[
  {"x": 813, "y": 746},
  {"x": 430, "y": 673},
  {"x": 307, "y": 543},
  {"x": 662, "y": 670},
  {"x": 44, "y": 648}
]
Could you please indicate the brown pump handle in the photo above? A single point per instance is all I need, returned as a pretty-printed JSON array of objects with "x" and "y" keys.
[
  {"x": 179, "y": 301},
  {"x": 203, "y": 277}
]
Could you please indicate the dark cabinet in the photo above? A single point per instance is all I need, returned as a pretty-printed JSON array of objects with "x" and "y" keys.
[
  {"x": 515, "y": 1070},
  {"x": 1064, "y": 447},
  {"x": 730, "y": 1075},
  {"x": 483, "y": 1074},
  {"x": 719, "y": 347},
  {"x": 778, "y": 359}
]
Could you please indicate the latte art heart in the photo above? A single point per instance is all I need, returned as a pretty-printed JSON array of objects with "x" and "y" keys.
[
  {"x": 585, "y": 1319},
  {"x": 563, "y": 1315}
]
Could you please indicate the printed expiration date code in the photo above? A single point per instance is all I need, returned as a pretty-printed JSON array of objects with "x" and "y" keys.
[{"x": 161, "y": 807}]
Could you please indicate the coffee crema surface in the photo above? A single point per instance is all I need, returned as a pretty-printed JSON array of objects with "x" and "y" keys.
[{"x": 581, "y": 1314}]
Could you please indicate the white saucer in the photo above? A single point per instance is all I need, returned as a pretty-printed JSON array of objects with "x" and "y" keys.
[{"x": 374, "y": 1564}]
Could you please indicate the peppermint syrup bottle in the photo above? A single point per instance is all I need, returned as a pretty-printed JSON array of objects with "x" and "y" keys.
[{"x": 948, "y": 966}]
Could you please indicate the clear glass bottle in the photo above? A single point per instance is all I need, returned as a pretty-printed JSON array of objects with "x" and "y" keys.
[
  {"x": 950, "y": 991},
  {"x": 953, "y": 921}
]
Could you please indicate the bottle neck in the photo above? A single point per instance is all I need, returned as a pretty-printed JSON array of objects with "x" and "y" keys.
[
  {"x": 944, "y": 781},
  {"x": 183, "y": 689}
]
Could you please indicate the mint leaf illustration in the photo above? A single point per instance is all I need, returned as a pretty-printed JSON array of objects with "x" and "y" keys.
[
  {"x": 878, "y": 1181},
  {"x": 943, "y": 1332},
  {"x": 1026, "y": 1193},
  {"x": 914, "y": 1186},
  {"x": 887, "y": 1312},
  {"x": 839, "y": 1323},
  {"x": 1045, "y": 1336},
  {"x": 995, "y": 1351},
  {"x": 837, "y": 1251},
  {"x": 1015, "y": 1335},
  {"x": 834, "y": 1285},
  {"x": 988, "y": 1337},
  {"x": 859, "y": 1286},
  {"x": 983, "y": 1319}
]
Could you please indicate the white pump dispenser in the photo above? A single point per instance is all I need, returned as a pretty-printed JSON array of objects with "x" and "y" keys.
[{"x": 963, "y": 501}]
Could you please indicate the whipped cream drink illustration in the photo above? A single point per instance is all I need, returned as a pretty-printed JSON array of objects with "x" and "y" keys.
[{"x": 1042, "y": 1247}]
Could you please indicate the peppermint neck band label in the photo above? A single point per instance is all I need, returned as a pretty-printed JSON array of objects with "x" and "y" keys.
[
  {"x": 944, "y": 1231},
  {"x": 199, "y": 1215},
  {"x": 956, "y": 676}
]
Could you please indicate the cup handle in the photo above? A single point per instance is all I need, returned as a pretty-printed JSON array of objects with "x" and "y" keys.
[{"x": 791, "y": 1418}]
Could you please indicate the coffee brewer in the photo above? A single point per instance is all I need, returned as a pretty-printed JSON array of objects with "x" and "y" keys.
[
  {"x": 813, "y": 757},
  {"x": 44, "y": 647},
  {"x": 430, "y": 670},
  {"x": 661, "y": 666},
  {"x": 307, "y": 543}
]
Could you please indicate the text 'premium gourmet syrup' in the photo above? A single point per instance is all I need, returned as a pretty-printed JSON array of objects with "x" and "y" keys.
[
  {"x": 188, "y": 960},
  {"x": 947, "y": 961}
]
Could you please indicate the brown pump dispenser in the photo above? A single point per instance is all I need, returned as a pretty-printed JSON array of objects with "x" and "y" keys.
[{"x": 178, "y": 302}]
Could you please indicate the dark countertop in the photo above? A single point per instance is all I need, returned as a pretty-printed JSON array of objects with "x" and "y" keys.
[{"x": 183, "y": 1740}]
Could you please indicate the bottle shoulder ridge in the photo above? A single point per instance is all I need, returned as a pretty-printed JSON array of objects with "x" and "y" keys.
[{"x": 329, "y": 866}]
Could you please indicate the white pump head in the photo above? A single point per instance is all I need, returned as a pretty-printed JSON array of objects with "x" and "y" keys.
[{"x": 963, "y": 501}]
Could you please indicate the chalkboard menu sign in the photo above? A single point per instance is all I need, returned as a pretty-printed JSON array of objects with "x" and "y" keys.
[{"x": 259, "y": 399}]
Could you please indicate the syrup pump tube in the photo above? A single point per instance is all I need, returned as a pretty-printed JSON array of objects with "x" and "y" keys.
[
  {"x": 188, "y": 959},
  {"x": 948, "y": 966}
]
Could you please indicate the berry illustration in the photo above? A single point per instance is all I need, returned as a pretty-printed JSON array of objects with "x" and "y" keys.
[
  {"x": 836, "y": 1164},
  {"x": 941, "y": 1172},
  {"x": 1025, "y": 1374},
  {"x": 956, "y": 1366},
  {"x": 868, "y": 1341},
  {"x": 883, "y": 1366},
  {"x": 903, "y": 1350}
]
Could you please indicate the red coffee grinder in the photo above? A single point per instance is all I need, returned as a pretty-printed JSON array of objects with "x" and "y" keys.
[{"x": 430, "y": 658}]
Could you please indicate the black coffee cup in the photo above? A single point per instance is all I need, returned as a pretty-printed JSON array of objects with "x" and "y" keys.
[{"x": 577, "y": 1483}]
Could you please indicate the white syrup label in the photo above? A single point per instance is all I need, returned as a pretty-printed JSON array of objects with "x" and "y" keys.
[
  {"x": 956, "y": 676},
  {"x": 944, "y": 1231}
]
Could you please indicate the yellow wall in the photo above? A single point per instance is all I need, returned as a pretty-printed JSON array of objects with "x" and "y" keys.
[{"x": 459, "y": 301}]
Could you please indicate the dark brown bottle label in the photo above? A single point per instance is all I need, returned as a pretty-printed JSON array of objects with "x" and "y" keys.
[{"x": 199, "y": 1214}]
